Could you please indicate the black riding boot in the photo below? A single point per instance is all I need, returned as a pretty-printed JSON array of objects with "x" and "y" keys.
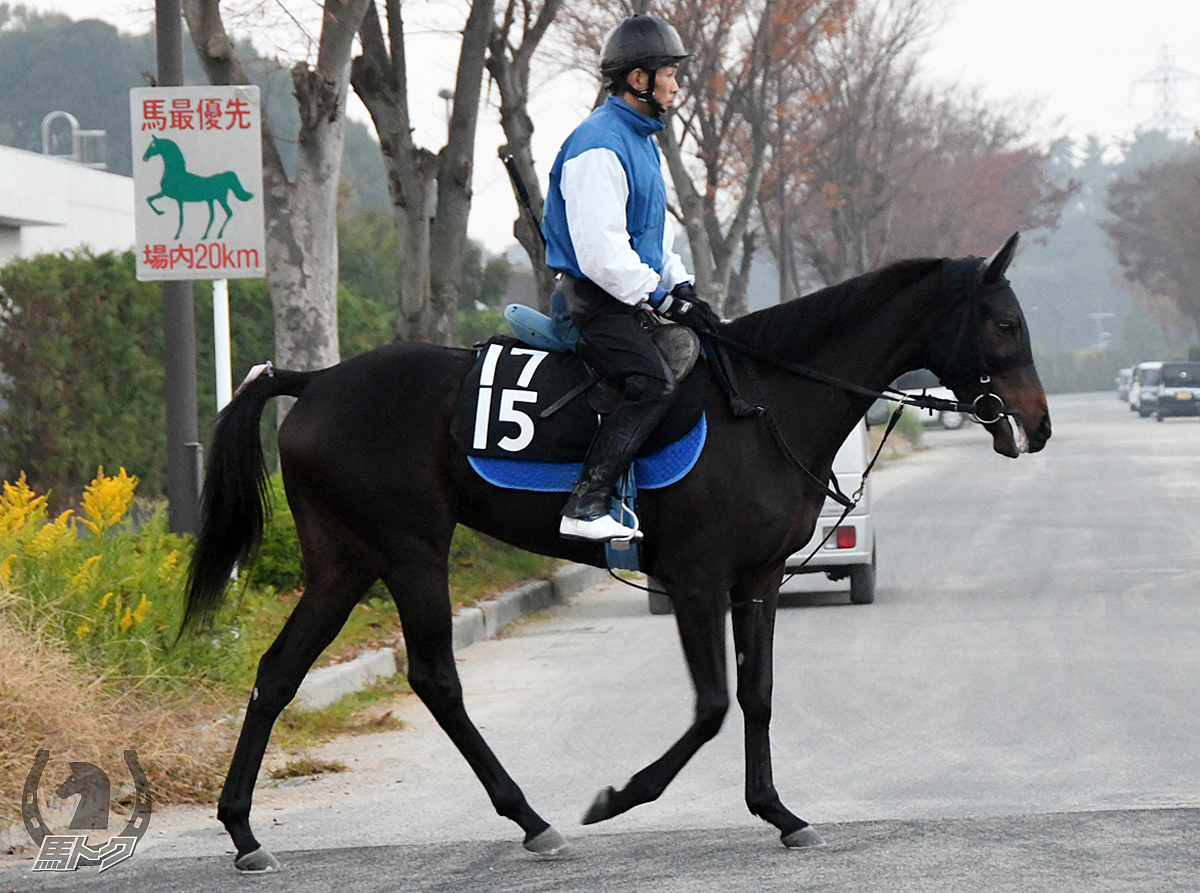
[{"x": 621, "y": 435}]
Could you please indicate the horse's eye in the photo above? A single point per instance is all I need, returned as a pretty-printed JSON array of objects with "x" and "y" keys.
[{"x": 1007, "y": 326}]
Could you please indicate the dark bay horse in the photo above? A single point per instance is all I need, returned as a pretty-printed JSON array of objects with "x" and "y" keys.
[{"x": 377, "y": 486}]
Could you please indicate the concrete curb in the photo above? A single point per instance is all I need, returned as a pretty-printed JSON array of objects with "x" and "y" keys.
[{"x": 326, "y": 685}]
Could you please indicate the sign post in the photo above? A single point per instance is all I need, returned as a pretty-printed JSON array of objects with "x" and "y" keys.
[{"x": 197, "y": 175}]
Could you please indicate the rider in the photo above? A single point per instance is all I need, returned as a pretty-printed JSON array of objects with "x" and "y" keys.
[{"x": 607, "y": 235}]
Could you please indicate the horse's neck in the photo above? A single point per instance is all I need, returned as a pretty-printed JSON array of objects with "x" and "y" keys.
[
  {"x": 172, "y": 158},
  {"x": 890, "y": 337},
  {"x": 886, "y": 341}
]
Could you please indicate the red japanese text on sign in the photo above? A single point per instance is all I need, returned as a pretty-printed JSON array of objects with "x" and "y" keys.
[
  {"x": 201, "y": 114},
  {"x": 215, "y": 256}
]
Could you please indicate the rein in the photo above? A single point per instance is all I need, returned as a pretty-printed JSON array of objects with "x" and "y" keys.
[
  {"x": 921, "y": 401},
  {"x": 985, "y": 409}
]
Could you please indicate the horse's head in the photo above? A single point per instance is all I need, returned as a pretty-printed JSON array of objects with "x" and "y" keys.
[
  {"x": 155, "y": 148},
  {"x": 982, "y": 352}
]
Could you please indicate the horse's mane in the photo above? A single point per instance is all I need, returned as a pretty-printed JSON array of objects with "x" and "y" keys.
[{"x": 794, "y": 327}]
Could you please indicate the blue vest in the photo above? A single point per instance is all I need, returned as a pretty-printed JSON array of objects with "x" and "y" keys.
[{"x": 617, "y": 126}]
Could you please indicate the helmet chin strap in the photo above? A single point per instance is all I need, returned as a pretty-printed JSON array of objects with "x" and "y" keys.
[{"x": 647, "y": 95}]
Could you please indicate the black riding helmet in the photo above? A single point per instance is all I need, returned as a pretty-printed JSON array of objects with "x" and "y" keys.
[{"x": 644, "y": 42}]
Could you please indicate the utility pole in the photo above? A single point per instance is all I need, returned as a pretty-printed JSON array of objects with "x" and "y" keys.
[
  {"x": 184, "y": 458},
  {"x": 1165, "y": 77}
]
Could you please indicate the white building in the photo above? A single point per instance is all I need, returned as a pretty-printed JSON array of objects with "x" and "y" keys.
[{"x": 50, "y": 203}]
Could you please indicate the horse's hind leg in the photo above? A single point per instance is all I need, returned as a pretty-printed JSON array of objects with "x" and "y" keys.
[
  {"x": 421, "y": 591},
  {"x": 753, "y": 609},
  {"x": 211, "y": 215},
  {"x": 322, "y": 611}
]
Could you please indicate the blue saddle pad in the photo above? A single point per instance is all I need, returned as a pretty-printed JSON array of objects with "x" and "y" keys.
[{"x": 660, "y": 469}]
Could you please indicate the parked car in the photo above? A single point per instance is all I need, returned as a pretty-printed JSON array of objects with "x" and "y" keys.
[
  {"x": 1123, "y": 380},
  {"x": 1177, "y": 391},
  {"x": 850, "y": 550},
  {"x": 1145, "y": 376}
]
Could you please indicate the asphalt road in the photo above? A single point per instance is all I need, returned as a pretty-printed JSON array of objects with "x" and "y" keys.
[{"x": 1017, "y": 711}]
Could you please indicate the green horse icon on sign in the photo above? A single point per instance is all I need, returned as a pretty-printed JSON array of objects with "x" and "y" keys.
[{"x": 182, "y": 186}]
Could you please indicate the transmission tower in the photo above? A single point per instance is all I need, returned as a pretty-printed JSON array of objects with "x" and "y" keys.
[{"x": 1165, "y": 78}]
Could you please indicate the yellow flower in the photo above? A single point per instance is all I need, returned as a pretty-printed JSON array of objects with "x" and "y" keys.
[
  {"x": 85, "y": 574},
  {"x": 81, "y": 632},
  {"x": 167, "y": 569},
  {"x": 53, "y": 536},
  {"x": 103, "y": 601},
  {"x": 6, "y": 569},
  {"x": 126, "y": 620},
  {"x": 106, "y": 499},
  {"x": 139, "y": 613},
  {"x": 18, "y": 505}
]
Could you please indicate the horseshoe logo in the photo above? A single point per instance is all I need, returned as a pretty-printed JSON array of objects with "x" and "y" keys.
[{"x": 31, "y": 813}]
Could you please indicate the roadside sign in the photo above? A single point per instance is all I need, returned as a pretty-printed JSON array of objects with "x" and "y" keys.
[{"x": 197, "y": 182}]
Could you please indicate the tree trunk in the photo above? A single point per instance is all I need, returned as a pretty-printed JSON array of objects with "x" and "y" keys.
[
  {"x": 455, "y": 165},
  {"x": 431, "y": 248},
  {"x": 301, "y": 214},
  {"x": 509, "y": 68}
]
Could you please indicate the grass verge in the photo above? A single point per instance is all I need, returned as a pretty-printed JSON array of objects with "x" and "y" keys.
[{"x": 90, "y": 666}]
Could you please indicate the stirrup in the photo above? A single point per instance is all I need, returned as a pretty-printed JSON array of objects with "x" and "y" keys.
[{"x": 597, "y": 530}]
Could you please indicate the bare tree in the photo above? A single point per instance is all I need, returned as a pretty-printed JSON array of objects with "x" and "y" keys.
[
  {"x": 839, "y": 156},
  {"x": 509, "y": 65},
  {"x": 871, "y": 166},
  {"x": 430, "y": 192},
  {"x": 1156, "y": 232},
  {"x": 301, "y": 211}
]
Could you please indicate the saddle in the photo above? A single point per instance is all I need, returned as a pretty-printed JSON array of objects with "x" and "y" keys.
[{"x": 534, "y": 400}]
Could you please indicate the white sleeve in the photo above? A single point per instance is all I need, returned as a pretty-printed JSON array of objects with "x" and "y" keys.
[
  {"x": 595, "y": 192},
  {"x": 674, "y": 272}
]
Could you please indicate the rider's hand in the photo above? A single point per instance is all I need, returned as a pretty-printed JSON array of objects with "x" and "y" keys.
[{"x": 685, "y": 307}]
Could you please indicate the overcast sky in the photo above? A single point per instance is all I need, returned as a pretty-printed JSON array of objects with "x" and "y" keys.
[{"x": 1081, "y": 60}]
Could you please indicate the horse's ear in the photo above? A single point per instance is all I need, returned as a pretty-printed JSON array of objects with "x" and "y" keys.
[{"x": 998, "y": 262}]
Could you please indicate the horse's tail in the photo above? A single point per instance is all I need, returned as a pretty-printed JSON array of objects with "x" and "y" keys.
[
  {"x": 234, "y": 504},
  {"x": 236, "y": 185}
]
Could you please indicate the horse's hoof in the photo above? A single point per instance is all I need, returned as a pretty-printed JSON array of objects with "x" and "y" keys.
[
  {"x": 548, "y": 843},
  {"x": 803, "y": 837},
  {"x": 259, "y": 861},
  {"x": 601, "y": 809}
]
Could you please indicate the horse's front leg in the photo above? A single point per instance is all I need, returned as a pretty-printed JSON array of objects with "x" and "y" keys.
[
  {"x": 150, "y": 201},
  {"x": 211, "y": 216},
  {"x": 179, "y": 229},
  {"x": 701, "y": 623},
  {"x": 754, "y": 603}
]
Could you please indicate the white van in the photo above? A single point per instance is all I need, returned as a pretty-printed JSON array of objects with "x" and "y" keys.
[
  {"x": 850, "y": 551},
  {"x": 1145, "y": 375}
]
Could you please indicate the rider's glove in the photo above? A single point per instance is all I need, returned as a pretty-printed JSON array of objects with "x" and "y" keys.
[{"x": 685, "y": 307}]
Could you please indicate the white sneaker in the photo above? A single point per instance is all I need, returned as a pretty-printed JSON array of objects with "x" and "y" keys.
[{"x": 597, "y": 530}]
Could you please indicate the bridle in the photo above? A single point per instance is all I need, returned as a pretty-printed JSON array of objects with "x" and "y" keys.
[{"x": 953, "y": 347}]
